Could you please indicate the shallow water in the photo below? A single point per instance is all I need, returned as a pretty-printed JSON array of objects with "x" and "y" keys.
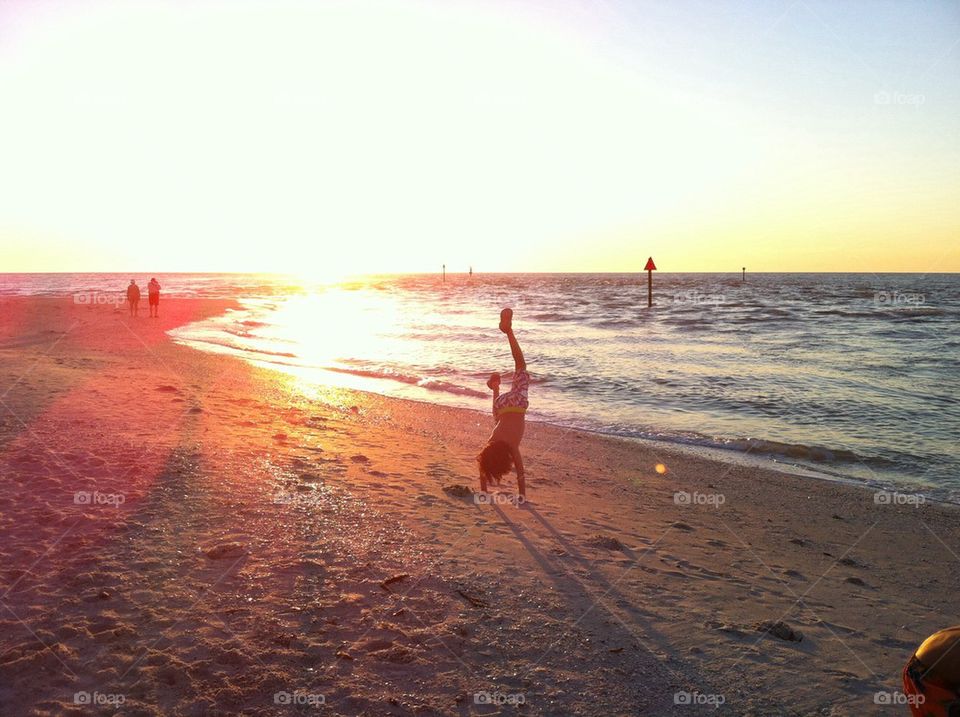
[{"x": 853, "y": 374}]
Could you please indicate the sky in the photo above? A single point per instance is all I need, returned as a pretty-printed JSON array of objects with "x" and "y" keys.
[{"x": 347, "y": 136}]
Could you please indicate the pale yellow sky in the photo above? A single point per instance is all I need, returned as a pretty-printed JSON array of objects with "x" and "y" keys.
[{"x": 386, "y": 137}]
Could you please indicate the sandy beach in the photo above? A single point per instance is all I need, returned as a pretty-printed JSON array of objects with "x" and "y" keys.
[{"x": 184, "y": 534}]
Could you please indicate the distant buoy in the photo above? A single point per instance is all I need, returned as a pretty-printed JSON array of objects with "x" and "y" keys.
[{"x": 650, "y": 268}]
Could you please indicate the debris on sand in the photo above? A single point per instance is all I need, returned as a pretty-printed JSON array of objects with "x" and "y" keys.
[
  {"x": 100, "y": 595},
  {"x": 458, "y": 490},
  {"x": 395, "y": 579},
  {"x": 726, "y": 627},
  {"x": 398, "y": 654},
  {"x": 226, "y": 551},
  {"x": 779, "y": 629},
  {"x": 605, "y": 541},
  {"x": 475, "y": 601}
]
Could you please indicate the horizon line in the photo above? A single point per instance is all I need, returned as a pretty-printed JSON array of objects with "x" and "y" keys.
[{"x": 475, "y": 273}]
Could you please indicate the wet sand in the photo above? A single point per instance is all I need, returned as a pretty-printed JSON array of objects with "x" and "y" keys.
[{"x": 182, "y": 533}]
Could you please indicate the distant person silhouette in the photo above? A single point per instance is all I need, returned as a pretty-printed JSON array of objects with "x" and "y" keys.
[
  {"x": 133, "y": 297},
  {"x": 153, "y": 298}
]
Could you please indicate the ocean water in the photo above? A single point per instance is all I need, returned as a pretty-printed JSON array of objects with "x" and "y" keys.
[{"x": 852, "y": 375}]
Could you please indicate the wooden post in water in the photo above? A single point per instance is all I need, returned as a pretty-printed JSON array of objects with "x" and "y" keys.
[
  {"x": 744, "y": 277},
  {"x": 444, "y": 274},
  {"x": 649, "y": 268}
]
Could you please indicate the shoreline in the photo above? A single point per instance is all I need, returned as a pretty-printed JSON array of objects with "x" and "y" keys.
[
  {"x": 759, "y": 452},
  {"x": 263, "y": 521},
  {"x": 710, "y": 448},
  {"x": 714, "y": 453}
]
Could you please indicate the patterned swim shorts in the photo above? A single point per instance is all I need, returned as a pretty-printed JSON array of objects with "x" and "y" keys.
[{"x": 515, "y": 400}]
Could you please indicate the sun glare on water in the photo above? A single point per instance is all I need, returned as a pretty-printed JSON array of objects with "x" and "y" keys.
[{"x": 327, "y": 328}]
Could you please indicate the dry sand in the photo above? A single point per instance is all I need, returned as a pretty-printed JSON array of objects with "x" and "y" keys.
[{"x": 256, "y": 546}]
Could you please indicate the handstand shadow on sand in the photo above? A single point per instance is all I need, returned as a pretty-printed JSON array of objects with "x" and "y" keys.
[
  {"x": 556, "y": 570},
  {"x": 597, "y": 590}
]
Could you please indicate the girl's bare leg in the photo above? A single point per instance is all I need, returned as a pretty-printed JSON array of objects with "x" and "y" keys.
[
  {"x": 494, "y": 385},
  {"x": 506, "y": 326},
  {"x": 518, "y": 361}
]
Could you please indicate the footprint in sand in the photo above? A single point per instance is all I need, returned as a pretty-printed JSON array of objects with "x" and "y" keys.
[
  {"x": 851, "y": 563},
  {"x": 779, "y": 629},
  {"x": 856, "y": 581},
  {"x": 225, "y": 551},
  {"x": 605, "y": 541},
  {"x": 458, "y": 491},
  {"x": 895, "y": 643},
  {"x": 836, "y": 627}
]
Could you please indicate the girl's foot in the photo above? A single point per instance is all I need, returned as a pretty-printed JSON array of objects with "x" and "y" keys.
[
  {"x": 494, "y": 381},
  {"x": 506, "y": 321}
]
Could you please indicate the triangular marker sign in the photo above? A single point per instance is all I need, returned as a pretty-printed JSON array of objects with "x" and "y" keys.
[{"x": 650, "y": 265}]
